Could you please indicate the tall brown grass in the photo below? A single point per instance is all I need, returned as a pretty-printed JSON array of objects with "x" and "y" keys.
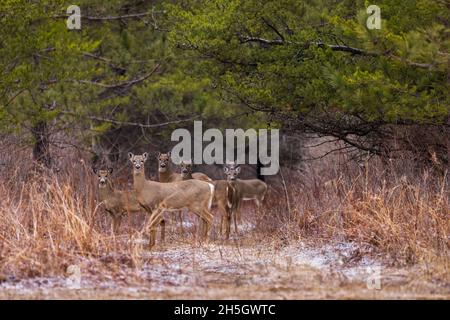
[
  {"x": 395, "y": 208},
  {"x": 49, "y": 220}
]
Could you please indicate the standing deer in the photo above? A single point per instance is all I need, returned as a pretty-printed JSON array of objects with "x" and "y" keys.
[
  {"x": 222, "y": 195},
  {"x": 158, "y": 197},
  {"x": 165, "y": 174},
  {"x": 243, "y": 190},
  {"x": 117, "y": 203},
  {"x": 186, "y": 172}
]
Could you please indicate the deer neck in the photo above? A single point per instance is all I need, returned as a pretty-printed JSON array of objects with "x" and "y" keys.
[
  {"x": 188, "y": 176},
  {"x": 166, "y": 175},
  {"x": 138, "y": 179},
  {"x": 146, "y": 191}
]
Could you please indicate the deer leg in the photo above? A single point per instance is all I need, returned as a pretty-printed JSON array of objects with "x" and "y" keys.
[
  {"x": 201, "y": 226},
  {"x": 207, "y": 219},
  {"x": 154, "y": 220},
  {"x": 117, "y": 220},
  {"x": 222, "y": 217},
  {"x": 237, "y": 216},
  {"x": 162, "y": 225},
  {"x": 227, "y": 216},
  {"x": 225, "y": 220},
  {"x": 180, "y": 219},
  {"x": 235, "y": 223}
]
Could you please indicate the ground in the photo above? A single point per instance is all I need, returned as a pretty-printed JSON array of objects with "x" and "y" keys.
[{"x": 241, "y": 268}]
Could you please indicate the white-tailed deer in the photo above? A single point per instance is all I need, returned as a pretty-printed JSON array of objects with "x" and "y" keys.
[
  {"x": 222, "y": 195},
  {"x": 186, "y": 172},
  {"x": 224, "y": 200},
  {"x": 165, "y": 173},
  {"x": 243, "y": 190},
  {"x": 158, "y": 197},
  {"x": 117, "y": 203}
]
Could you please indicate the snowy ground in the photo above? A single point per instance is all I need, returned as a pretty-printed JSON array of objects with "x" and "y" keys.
[{"x": 236, "y": 269}]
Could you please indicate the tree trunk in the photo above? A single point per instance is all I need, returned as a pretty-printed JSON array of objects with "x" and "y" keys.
[
  {"x": 41, "y": 149},
  {"x": 448, "y": 142}
]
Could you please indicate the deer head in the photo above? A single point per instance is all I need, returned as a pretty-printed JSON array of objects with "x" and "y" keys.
[
  {"x": 103, "y": 176},
  {"x": 232, "y": 171},
  {"x": 163, "y": 161},
  {"x": 138, "y": 160},
  {"x": 186, "y": 168}
]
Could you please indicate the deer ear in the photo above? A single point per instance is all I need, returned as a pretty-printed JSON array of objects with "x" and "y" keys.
[
  {"x": 238, "y": 169},
  {"x": 110, "y": 170},
  {"x": 145, "y": 155},
  {"x": 94, "y": 169},
  {"x": 157, "y": 155},
  {"x": 130, "y": 155},
  {"x": 226, "y": 169},
  {"x": 169, "y": 154}
]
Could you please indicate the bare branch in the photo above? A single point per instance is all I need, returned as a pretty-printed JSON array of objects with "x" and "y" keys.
[
  {"x": 273, "y": 28},
  {"x": 106, "y": 18},
  {"x": 334, "y": 47},
  {"x": 122, "y": 84},
  {"x": 128, "y": 123}
]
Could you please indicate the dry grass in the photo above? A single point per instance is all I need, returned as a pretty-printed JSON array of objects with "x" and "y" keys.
[
  {"x": 401, "y": 212},
  {"x": 50, "y": 220}
]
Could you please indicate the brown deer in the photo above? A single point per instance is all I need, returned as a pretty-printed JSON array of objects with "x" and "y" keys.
[
  {"x": 243, "y": 190},
  {"x": 222, "y": 195},
  {"x": 117, "y": 203},
  {"x": 186, "y": 172},
  {"x": 165, "y": 174},
  {"x": 158, "y": 197},
  {"x": 224, "y": 200}
]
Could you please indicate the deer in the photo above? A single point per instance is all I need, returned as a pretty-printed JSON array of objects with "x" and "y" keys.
[
  {"x": 117, "y": 203},
  {"x": 243, "y": 190},
  {"x": 222, "y": 195},
  {"x": 156, "y": 197},
  {"x": 165, "y": 174}
]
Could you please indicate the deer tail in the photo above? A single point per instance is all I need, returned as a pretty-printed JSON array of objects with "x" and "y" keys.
[{"x": 211, "y": 197}]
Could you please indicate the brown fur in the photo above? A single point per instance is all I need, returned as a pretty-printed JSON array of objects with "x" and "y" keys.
[
  {"x": 165, "y": 173},
  {"x": 243, "y": 190},
  {"x": 220, "y": 194},
  {"x": 117, "y": 203},
  {"x": 158, "y": 197},
  {"x": 186, "y": 172}
]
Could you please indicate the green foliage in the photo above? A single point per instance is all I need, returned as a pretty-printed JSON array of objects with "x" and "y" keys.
[
  {"x": 73, "y": 79},
  {"x": 267, "y": 55},
  {"x": 272, "y": 60}
]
